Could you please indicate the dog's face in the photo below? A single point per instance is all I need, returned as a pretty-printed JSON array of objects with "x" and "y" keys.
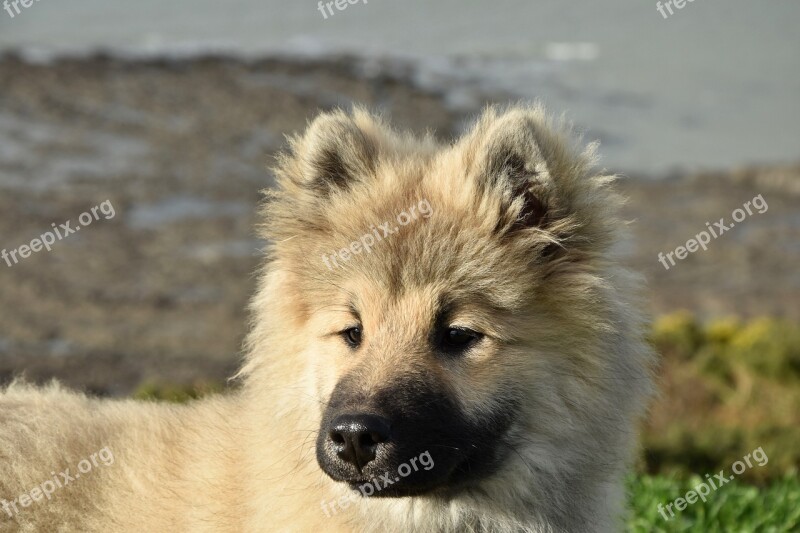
[
  {"x": 413, "y": 371},
  {"x": 444, "y": 295}
]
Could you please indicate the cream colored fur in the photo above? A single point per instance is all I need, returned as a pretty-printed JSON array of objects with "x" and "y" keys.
[{"x": 566, "y": 331}]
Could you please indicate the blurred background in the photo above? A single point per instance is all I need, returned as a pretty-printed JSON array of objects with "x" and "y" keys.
[{"x": 172, "y": 111}]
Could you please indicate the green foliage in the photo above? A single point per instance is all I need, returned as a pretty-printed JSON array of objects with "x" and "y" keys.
[
  {"x": 769, "y": 347},
  {"x": 169, "y": 392},
  {"x": 766, "y": 346},
  {"x": 677, "y": 335},
  {"x": 728, "y": 387}
]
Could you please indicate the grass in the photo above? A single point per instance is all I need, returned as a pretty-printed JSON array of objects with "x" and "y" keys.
[{"x": 739, "y": 507}]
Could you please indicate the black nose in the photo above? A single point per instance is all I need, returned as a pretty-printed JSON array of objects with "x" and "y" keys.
[{"x": 357, "y": 437}]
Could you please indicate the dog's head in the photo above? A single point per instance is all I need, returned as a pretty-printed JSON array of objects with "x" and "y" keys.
[{"x": 454, "y": 310}]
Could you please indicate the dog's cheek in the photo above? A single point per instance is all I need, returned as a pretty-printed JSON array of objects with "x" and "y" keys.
[{"x": 482, "y": 379}]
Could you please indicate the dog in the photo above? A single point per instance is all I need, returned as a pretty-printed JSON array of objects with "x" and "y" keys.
[{"x": 444, "y": 338}]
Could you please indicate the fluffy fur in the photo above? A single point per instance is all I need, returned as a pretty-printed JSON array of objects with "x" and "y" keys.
[{"x": 523, "y": 239}]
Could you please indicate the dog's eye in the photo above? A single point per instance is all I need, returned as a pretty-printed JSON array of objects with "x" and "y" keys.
[
  {"x": 459, "y": 339},
  {"x": 352, "y": 336}
]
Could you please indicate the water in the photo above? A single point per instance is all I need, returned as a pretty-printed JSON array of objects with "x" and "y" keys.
[
  {"x": 175, "y": 209},
  {"x": 715, "y": 85}
]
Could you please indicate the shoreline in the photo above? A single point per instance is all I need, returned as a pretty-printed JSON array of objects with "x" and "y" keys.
[
  {"x": 461, "y": 94},
  {"x": 181, "y": 148}
]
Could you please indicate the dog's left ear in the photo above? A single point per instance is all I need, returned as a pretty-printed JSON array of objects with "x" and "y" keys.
[
  {"x": 535, "y": 173},
  {"x": 510, "y": 156}
]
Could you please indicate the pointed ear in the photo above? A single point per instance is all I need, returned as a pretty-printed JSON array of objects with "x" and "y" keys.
[
  {"x": 532, "y": 169},
  {"x": 336, "y": 150},
  {"x": 511, "y": 158}
]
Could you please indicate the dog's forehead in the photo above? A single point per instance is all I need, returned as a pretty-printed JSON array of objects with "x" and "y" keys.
[
  {"x": 410, "y": 306},
  {"x": 427, "y": 300}
]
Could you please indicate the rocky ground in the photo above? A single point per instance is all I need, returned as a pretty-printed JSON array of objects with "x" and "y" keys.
[{"x": 181, "y": 150}]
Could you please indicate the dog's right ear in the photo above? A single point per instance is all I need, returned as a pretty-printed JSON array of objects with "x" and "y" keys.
[{"x": 336, "y": 151}]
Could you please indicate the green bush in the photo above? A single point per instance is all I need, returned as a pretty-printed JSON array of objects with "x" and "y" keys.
[
  {"x": 677, "y": 335},
  {"x": 770, "y": 347},
  {"x": 728, "y": 387},
  {"x": 170, "y": 392}
]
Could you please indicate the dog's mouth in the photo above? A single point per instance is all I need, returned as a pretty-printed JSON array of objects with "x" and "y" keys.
[
  {"x": 453, "y": 474},
  {"x": 387, "y": 477},
  {"x": 398, "y": 471},
  {"x": 393, "y": 485}
]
